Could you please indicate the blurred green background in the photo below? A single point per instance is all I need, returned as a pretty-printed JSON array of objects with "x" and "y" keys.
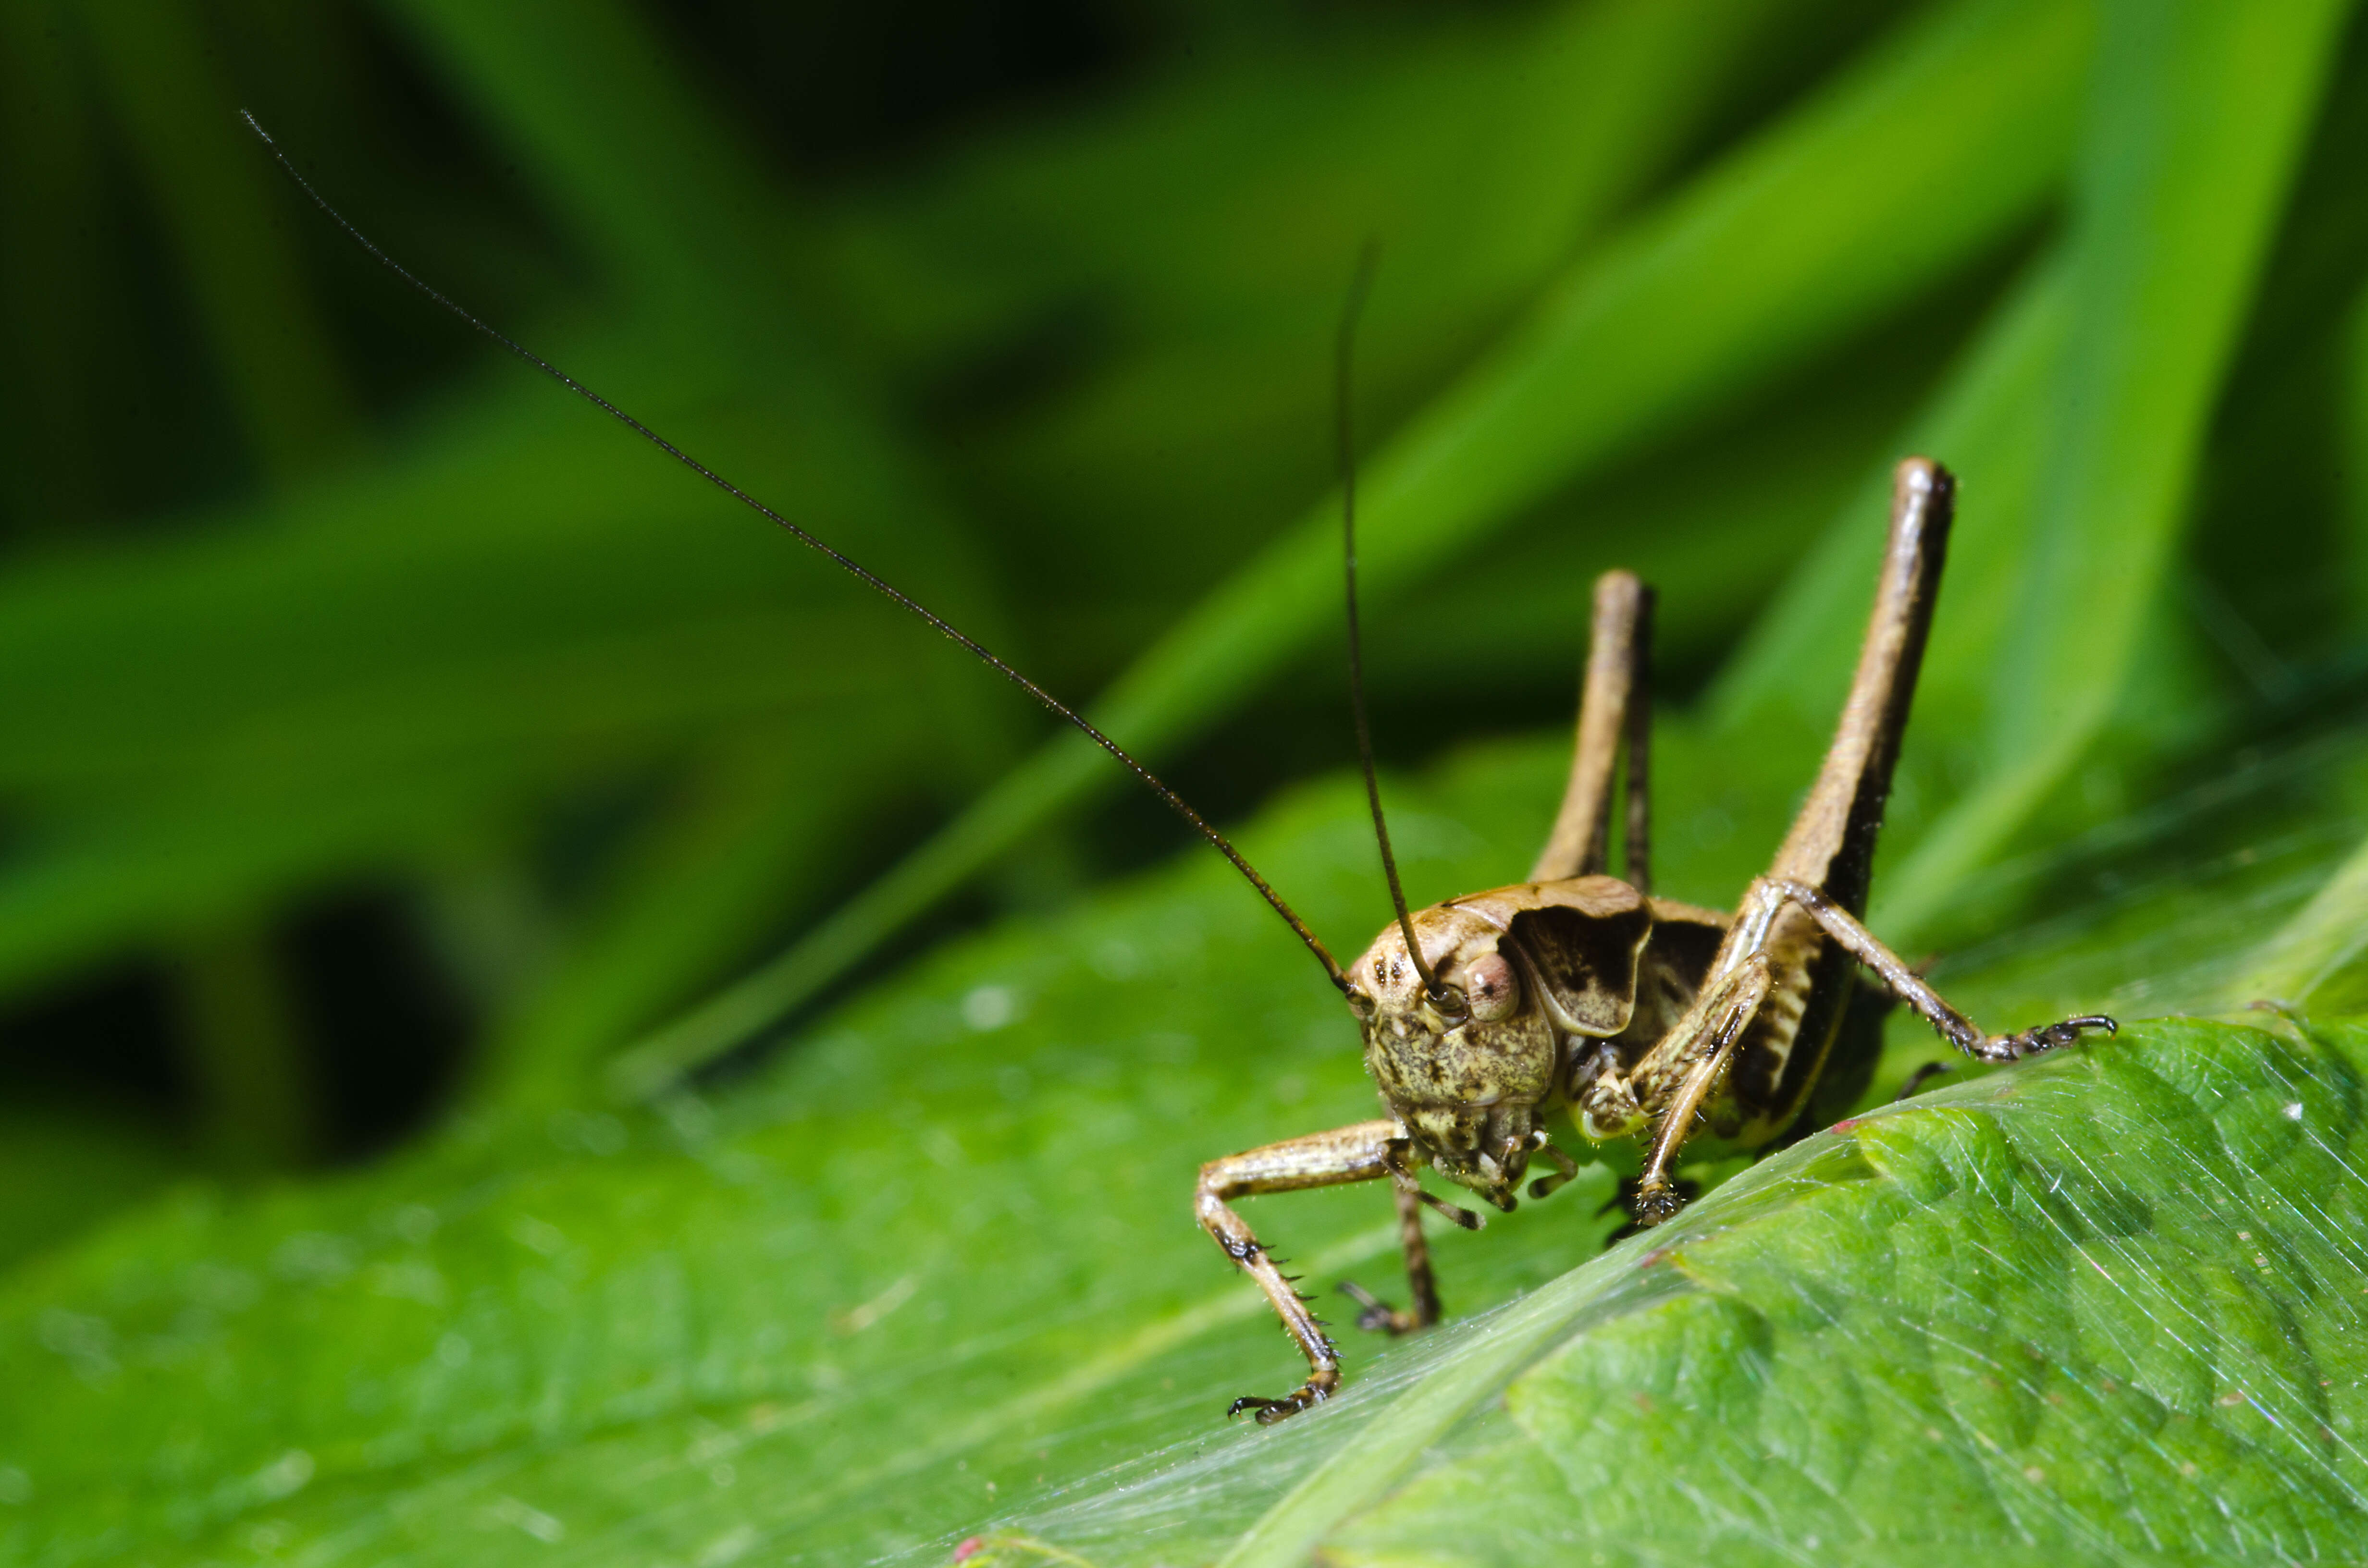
[
  {"x": 387, "y": 739},
  {"x": 407, "y": 777}
]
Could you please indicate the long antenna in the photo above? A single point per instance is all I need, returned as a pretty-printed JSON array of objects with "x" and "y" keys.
[
  {"x": 1343, "y": 387},
  {"x": 877, "y": 585}
]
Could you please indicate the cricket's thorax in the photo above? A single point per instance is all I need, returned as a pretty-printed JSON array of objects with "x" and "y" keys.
[
  {"x": 1774, "y": 1065},
  {"x": 1527, "y": 971}
]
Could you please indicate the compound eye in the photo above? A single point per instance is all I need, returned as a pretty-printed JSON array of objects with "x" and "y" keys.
[
  {"x": 1359, "y": 1003},
  {"x": 1495, "y": 990}
]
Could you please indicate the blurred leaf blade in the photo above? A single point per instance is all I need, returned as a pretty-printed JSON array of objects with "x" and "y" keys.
[
  {"x": 266, "y": 325},
  {"x": 1604, "y": 361},
  {"x": 750, "y": 834},
  {"x": 1631, "y": 340},
  {"x": 780, "y": 1318},
  {"x": 2308, "y": 956},
  {"x": 1480, "y": 155},
  {"x": 278, "y": 703},
  {"x": 2174, "y": 216},
  {"x": 621, "y": 143}
]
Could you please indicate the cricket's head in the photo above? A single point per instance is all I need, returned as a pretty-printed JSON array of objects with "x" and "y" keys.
[{"x": 1471, "y": 1068}]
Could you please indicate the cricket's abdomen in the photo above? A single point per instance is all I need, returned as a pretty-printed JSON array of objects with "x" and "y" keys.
[{"x": 1785, "y": 1044}]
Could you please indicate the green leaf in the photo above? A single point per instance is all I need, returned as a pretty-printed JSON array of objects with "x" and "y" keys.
[
  {"x": 67, "y": 1163},
  {"x": 2103, "y": 1307},
  {"x": 158, "y": 65},
  {"x": 2177, "y": 198},
  {"x": 588, "y": 1320},
  {"x": 620, "y": 142},
  {"x": 1192, "y": 242},
  {"x": 947, "y": 1244},
  {"x": 1847, "y": 208},
  {"x": 401, "y": 659}
]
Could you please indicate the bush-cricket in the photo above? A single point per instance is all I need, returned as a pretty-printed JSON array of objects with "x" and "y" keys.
[{"x": 1484, "y": 1015}]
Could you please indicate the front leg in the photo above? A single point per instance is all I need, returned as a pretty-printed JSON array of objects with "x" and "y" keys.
[
  {"x": 1361, "y": 1153},
  {"x": 1720, "y": 1019}
]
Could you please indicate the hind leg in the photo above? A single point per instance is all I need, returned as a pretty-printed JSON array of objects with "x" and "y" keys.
[{"x": 1614, "y": 713}]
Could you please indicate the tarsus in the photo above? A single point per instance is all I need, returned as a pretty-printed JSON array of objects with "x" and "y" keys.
[
  {"x": 877, "y": 584},
  {"x": 1344, "y": 429}
]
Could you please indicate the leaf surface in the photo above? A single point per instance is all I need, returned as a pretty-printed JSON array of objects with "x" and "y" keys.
[
  {"x": 814, "y": 1314},
  {"x": 2106, "y": 1307}
]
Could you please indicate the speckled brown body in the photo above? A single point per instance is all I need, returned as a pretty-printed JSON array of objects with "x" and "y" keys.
[
  {"x": 1484, "y": 1015},
  {"x": 1547, "y": 974},
  {"x": 1576, "y": 991}
]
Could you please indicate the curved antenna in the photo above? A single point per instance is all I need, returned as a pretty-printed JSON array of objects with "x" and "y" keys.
[
  {"x": 1051, "y": 704},
  {"x": 1344, "y": 430}
]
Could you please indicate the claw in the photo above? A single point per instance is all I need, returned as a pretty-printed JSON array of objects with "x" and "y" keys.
[
  {"x": 1378, "y": 1316},
  {"x": 1269, "y": 1411},
  {"x": 1565, "y": 1168},
  {"x": 1658, "y": 1201},
  {"x": 1440, "y": 1206},
  {"x": 2047, "y": 1037},
  {"x": 2070, "y": 1030}
]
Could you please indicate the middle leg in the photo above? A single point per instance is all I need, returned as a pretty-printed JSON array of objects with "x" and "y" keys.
[
  {"x": 1727, "y": 1006},
  {"x": 1378, "y": 1316},
  {"x": 1770, "y": 894}
]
